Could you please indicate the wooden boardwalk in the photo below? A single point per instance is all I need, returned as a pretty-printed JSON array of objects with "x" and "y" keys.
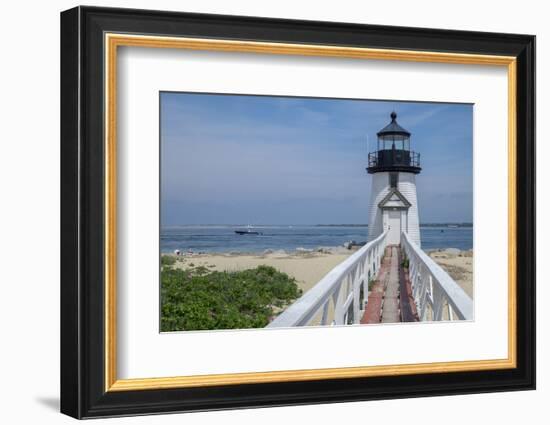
[
  {"x": 390, "y": 310},
  {"x": 390, "y": 298}
]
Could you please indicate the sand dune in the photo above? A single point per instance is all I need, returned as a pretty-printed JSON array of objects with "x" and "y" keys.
[
  {"x": 307, "y": 268},
  {"x": 459, "y": 265}
]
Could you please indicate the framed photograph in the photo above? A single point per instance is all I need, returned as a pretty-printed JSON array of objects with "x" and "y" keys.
[{"x": 261, "y": 212}]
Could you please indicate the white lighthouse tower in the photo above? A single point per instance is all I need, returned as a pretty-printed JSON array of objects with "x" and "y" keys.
[{"x": 393, "y": 203}]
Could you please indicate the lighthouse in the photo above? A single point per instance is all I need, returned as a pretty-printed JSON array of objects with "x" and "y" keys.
[{"x": 393, "y": 203}]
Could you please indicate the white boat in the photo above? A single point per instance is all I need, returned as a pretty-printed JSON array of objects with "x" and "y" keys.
[{"x": 247, "y": 231}]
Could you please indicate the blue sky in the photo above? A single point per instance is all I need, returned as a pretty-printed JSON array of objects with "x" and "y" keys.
[{"x": 230, "y": 159}]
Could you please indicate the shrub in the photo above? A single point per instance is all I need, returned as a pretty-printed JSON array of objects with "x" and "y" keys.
[
  {"x": 167, "y": 260},
  {"x": 371, "y": 284},
  {"x": 201, "y": 299}
]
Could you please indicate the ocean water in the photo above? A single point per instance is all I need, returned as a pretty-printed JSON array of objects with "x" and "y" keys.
[{"x": 289, "y": 238}]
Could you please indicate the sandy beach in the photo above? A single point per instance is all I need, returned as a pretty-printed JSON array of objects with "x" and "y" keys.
[
  {"x": 458, "y": 264},
  {"x": 309, "y": 266},
  {"x": 306, "y": 267}
]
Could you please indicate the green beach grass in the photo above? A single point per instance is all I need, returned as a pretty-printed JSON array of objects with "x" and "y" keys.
[{"x": 200, "y": 299}]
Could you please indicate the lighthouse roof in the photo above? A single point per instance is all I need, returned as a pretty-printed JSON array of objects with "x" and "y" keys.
[
  {"x": 394, "y": 199},
  {"x": 393, "y": 129}
]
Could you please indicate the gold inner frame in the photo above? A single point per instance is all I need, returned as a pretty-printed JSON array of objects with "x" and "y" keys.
[{"x": 113, "y": 41}]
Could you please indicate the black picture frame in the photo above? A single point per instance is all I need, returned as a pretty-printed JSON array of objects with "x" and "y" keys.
[{"x": 83, "y": 392}]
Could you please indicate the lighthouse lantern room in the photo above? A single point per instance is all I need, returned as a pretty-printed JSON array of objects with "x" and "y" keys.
[{"x": 393, "y": 203}]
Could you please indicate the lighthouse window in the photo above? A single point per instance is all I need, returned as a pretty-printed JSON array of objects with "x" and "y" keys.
[
  {"x": 393, "y": 179},
  {"x": 399, "y": 144}
]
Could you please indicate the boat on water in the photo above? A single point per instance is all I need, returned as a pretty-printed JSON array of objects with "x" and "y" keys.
[{"x": 248, "y": 231}]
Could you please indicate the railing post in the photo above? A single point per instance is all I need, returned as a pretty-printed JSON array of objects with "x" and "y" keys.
[
  {"x": 356, "y": 295},
  {"x": 324, "y": 317},
  {"x": 338, "y": 313},
  {"x": 450, "y": 312}
]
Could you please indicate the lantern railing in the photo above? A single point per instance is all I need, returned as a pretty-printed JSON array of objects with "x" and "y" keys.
[{"x": 394, "y": 157}]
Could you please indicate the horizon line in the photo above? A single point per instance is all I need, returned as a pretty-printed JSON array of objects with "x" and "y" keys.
[{"x": 463, "y": 223}]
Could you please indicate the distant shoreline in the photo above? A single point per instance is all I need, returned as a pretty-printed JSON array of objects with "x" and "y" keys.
[
  {"x": 450, "y": 224},
  {"x": 421, "y": 225},
  {"x": 297, "y": 252},
  {"x": 217, "y": 238}
]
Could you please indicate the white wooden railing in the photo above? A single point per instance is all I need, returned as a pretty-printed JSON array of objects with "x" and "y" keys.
[
  {"x": 436, "y": 294},
  {"x": 340, "y": 297}
]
